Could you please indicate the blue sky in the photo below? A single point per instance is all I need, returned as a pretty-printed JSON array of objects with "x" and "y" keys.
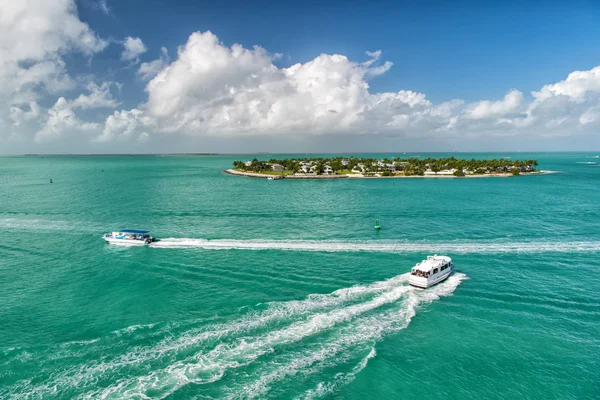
[{"x": 470, "y": 51}]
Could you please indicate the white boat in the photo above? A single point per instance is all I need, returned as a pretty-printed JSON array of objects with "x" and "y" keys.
[
  {"x": 431, "y": 271},
  {"x": 130, "y": 237}
]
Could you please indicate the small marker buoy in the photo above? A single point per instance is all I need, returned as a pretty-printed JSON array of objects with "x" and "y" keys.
[
  {"x": 50, "y": 180},
  {"x": 377, "y": 227}
]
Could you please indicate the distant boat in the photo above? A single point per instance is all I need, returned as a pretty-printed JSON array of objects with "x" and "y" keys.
[
  {"x": 431, "y": 271},
  {"x": 130, "y": 237}
]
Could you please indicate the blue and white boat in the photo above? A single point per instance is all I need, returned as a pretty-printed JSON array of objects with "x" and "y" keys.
[{"x": 129, "y": 237}]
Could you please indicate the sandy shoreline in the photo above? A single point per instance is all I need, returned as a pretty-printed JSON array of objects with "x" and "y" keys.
[{"x": 265, "y": 176}]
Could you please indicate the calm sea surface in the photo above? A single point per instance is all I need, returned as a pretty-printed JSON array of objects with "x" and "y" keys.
[{"x": 283, "y": 289}]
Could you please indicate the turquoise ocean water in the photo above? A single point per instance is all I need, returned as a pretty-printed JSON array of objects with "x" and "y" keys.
[{"x": 283, "y": 289}]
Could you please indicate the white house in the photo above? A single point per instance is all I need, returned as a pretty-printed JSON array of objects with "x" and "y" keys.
[
  {"x": 327, "y": 170},
  {"x": 277, "y": 167},
  {"x": 306, "y": 170},
  {"x": 360, "y": 168},
  {"x": 248, "y": 163}
]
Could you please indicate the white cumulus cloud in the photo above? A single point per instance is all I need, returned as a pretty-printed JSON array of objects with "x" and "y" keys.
[
  {"x": 98, "y": 96},
  {"x": 148, "y": 70},
  {"x": 34, "y": 37},
  {"x": 575, "y": 87},
  {"x": 62, "y": 121},
  {"x": 215, "y": 90},
  {"x": 490, "y": 109},
  {"x": 212, "y": 91},
  {"x": 123, "y": 125},
  {"x": 132, "y": 49}
]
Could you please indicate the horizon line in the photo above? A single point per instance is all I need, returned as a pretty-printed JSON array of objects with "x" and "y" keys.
[{"x": 208, "y": 154}]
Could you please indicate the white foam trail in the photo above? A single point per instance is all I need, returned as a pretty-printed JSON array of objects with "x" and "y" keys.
[
  {"x": 458, "y": 247},
  {"x": 586, "y": 162},
  {"x": 376, "y": 327},
  {"x": 208, "y": 367},
  {"x": 80, "y": 342},
  {"x": 361, "y": 332},
  {"x": 34, "y": 224},
  {"x": 133, "y": 328},
  {"x": 337, "y": 321},
  {"x": 170, "y": 347},
  {"x": 325, "y": 388},
  {"x": 277, "y": 311}
]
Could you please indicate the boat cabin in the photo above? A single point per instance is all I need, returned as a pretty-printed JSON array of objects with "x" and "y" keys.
[
  {"x": 131, "y": 236},
  {"x": 431, "y": 271}
]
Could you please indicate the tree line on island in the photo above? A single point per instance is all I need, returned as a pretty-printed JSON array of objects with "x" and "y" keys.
[{"x": 386, "y": 166}]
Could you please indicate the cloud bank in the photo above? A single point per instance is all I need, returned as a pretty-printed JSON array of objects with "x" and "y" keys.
[{"x": 214, "y": 91}]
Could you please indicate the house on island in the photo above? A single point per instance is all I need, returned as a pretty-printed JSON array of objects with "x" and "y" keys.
[
  {"x": 248, "y": 163},
  {"x": 527, "y": 168},
  {"x": 327, "y": 170},
  {"x": 344, "y": 162},
  {"x": 360, "y": 168},
  {"x": 277, "y": 168},
  {"x": 306, "y": 170}
]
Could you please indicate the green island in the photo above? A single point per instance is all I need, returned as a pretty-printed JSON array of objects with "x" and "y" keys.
[{"x": 353, "y": 167}]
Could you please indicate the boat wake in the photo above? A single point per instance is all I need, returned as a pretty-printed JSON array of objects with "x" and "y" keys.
[
  {"x": 458, "y": 247},
  {"x": 322, "y": 342}
]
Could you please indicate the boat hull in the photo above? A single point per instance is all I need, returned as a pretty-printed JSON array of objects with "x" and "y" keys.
[
  {"x": 424, "y": 283},
  {"x": 125, "y": 242}
]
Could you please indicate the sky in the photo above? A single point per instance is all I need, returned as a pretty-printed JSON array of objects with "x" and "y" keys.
[{"x": 160, "y": 76}]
